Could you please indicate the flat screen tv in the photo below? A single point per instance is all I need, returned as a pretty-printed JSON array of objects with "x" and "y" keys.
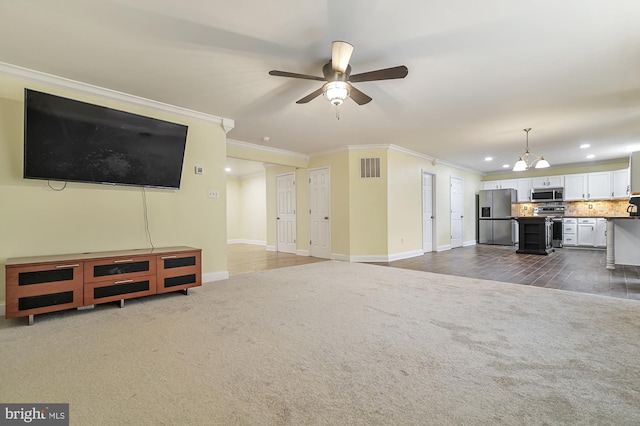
[{"x": 73, "y": 141}]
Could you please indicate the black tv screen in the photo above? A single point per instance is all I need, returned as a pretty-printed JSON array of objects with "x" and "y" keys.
[{"x": 69, "y": 140}]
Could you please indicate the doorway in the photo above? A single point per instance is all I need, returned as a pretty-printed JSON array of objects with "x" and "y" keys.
[
  {"x": 319, "y": 213},
  {"x": 427, "y": 211},
  {"x": 286, "y": 213},
  {"x": 457, "y": 191}
]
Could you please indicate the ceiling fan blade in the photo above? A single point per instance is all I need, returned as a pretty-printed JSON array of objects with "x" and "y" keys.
[
  {"x": 359, "y": 97},
  {"x": 294, "y": 75},
  {"x": 385, "y": 74},
  {"x": 310, "y": 96},
  {"x": 340, "y": 55}
]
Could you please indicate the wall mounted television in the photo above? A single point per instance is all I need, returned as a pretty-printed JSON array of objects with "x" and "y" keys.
[{"x": 73, "y": 141}]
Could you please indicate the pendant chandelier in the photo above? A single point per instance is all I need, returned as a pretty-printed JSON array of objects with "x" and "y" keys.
[{"x": 528, "y": 159}]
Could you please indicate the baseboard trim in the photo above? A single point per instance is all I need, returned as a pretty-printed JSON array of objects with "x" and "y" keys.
[
  {"x": 215, "y": 276},
  {"x": 444, "y": 248},
  {"x": 243, "y": 241},
  {"x": 366, "y": 259},
  {"x": 271, "y": 248},
  {"x": 2, "y": 309},
  {"x": 377, "y": 258},
  {"x": 302, "y": 253},
  {"x": 469, "y": 243},
  {"x": 340, "y": 257},
  {"x": 405, "y": 255}
]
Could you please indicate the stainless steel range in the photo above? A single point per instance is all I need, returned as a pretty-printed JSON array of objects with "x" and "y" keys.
[{"x": 556, "y": 212}]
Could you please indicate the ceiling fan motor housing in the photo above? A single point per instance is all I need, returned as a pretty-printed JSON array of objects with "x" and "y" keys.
[{"x": 333, "y": 75}]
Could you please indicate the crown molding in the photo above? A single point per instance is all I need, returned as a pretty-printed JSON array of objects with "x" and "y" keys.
[
  {"x": 64, "y": 83},
  {"x": 435, "y": 161},
  {"x": 262, "y": 148},
  {"x": 397, "y": 148}
]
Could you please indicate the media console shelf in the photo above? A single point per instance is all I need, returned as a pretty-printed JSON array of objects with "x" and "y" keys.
[{"x": 36, "y": 285}]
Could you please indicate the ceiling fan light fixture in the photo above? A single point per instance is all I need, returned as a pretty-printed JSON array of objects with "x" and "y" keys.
[{"x": 336, "y": 92}]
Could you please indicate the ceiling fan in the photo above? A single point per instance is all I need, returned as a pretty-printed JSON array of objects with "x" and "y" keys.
[{"x": 337, "y": 74}]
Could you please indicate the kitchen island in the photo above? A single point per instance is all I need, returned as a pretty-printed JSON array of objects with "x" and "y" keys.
[{"x": 534, "y": 235}]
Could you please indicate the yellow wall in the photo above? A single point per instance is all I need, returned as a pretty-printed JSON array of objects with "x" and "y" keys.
[
  {"x": 368, "y": 218},
  {"x": 405, "y": 202},
  {"x": 36, "y": 220},
  {"x": 338, "y": 164},
  {"x": 247, "y": 208},
  {"x": 234, "y": 205}
]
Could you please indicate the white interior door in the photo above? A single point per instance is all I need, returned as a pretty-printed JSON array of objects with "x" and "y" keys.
[
  {"x": 319, "y": 213},
  {"x": 456, "y": 212},
  {"x": 427, "y": 212},
  {"x": 286, "y": 213}
]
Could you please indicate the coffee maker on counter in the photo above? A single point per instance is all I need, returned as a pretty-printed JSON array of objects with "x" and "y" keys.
[{"x": 634, "y": 204}]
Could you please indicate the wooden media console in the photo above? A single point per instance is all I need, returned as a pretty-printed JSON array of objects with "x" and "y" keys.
[{"x": 36, "y": 285}]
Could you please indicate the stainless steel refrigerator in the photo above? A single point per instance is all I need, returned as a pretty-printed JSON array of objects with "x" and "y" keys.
[{"x": 494, "y": 216}]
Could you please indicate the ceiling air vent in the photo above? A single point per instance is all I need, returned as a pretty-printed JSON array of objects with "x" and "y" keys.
[{"x": 370, "y": 167}]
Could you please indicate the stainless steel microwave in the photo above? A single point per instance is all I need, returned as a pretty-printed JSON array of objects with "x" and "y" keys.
[{"x": 547, "y": 194}]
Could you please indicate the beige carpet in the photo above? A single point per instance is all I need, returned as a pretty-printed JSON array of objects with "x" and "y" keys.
[{"x": 335, "y": 343}]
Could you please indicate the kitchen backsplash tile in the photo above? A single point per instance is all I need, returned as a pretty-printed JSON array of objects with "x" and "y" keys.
[{"x": 580, "y": 208}]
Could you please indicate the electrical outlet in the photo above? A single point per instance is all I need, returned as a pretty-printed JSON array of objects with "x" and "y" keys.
[
  {"x": 214, "y": 193},
  {"x": 199, "y": 170}
]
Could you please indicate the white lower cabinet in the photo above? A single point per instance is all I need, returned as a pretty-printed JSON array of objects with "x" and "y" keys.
[
  {"x": 584, "y": 232},
  {"x": 569, "y": 231}
]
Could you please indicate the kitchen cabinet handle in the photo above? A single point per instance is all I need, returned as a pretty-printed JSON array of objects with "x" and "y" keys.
[
  {"x": 123, "y": 282},
  {"x": 123, "y": 261},
  {"x": 67, "y": 266},
  {"x": 172, "y": 257}
]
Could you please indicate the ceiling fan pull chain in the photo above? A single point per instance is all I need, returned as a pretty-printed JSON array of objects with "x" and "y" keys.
[{"x": 337, "y": 112}]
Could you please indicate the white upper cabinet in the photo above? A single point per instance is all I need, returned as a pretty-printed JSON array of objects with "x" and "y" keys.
[
  {"x": 599, "y": 186},
  {"x": 523, "y": 186},
  {"x": 509, "y": 184},
  {"x": 621, "y": 185},
  {"x": 547, "y": 182},
  {"x": 492, "y": 184},
  {"x": 575, "y": 187},
  {"x": 500, "y": 184}
]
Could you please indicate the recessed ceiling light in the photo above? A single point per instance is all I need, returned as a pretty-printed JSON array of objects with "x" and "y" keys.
[
  {"x": 591, "y": 156},
  {"x": 505, "y": 166},
  {"x": 488, "y": 158},
  {"x": 227, "y": 169},
  {"x": 585, "y": 145}
]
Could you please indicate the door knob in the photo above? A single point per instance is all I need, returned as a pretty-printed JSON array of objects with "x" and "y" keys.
[{"x": 326, "y": 218}]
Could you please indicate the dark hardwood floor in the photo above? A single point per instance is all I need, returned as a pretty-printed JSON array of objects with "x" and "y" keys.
[{"x": 578, "y": 270}]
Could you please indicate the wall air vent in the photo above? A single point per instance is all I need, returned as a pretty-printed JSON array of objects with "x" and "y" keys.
[{"x": 370, "y": 167}]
